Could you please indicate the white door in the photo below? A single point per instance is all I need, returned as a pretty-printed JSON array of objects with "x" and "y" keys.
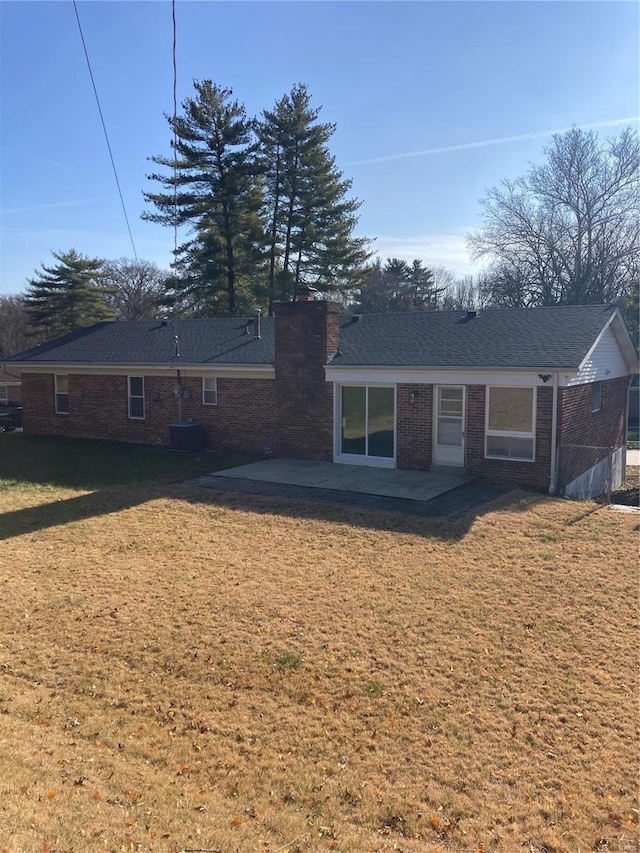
[{"x": 448, "y": 425}]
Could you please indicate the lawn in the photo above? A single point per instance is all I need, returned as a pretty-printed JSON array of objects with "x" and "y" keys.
[{"x": 182, "y": 669}]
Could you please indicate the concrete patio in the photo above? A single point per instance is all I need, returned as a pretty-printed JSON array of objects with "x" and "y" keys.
[
  {"x": 443, "y": 495},
  {"x": 383, "y": 482}
]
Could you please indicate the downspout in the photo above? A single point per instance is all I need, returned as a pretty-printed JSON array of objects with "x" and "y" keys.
[
  {"x": 626, "y": 427},
  {"x": 179, "y": 397},
  {"x": 553, "y": 486}
]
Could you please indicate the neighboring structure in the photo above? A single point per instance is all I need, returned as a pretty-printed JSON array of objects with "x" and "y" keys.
[
  {"x": 10, "y": 388},
  {"x": 502, "y": 393}
]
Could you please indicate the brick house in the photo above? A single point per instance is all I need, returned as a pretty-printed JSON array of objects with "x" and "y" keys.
[{"x": 498, "y": 392}]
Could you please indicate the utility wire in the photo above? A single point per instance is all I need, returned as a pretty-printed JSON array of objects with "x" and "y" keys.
[
  {"x": 175, "y": 136},
  {"x": 104, "y": 127}
]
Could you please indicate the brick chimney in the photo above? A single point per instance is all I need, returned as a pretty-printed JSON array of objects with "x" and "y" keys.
[{"x": 307, "y": 334}]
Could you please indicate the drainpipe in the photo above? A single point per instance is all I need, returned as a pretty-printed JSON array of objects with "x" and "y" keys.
[
  {"x": 554, "y": 437},
  {"x": 626, "y": 428},
  {"x": 179, "y": 398}
]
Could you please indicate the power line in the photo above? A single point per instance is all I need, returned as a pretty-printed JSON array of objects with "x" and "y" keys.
[
  {"x": 104, "y": 127},
  {"x": 175, "y": 134}
]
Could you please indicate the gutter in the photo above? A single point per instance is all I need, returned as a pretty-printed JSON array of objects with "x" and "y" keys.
[{"x": 553, "y": 485}]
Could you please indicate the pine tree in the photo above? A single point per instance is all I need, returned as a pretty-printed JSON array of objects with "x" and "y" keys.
[
  {"x": 423, "y": 293},
  {"x": 398, "y": 286},
  {"x": 310, "y": 219},
  {"x": 67, "y": 296},
  {"x": 217, "y": 193}
]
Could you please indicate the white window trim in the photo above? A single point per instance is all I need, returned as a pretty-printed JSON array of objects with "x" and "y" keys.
[
  {"x": 356, "y": 459},
  {"x": 57, "y": 393},
  {"x": 593, "y": 389},
  {"x": 213, "y": 379},
  {"x": 4, "y": 394},
  {"x": 131, "y": 396},
  {"x": 511, "y": 433}
]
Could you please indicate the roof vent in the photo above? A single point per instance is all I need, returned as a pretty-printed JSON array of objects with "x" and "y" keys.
[
  {"x": 257, "y": 313},
  {"x": 471, "y": 315}
]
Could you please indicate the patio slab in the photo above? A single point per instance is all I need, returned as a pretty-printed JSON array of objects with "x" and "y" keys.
[{"x": 383, "y": 482}]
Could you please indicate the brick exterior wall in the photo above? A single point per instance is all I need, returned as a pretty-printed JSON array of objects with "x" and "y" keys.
[
  {"x": 414, "y": 434},
  {"x": 307, "y": 334},
  {"x": 606, "y": 427},
  {"x": 292, "y": 416},
  {"x": 600, "y": 430},
  {"x": 98, "y": 408},
  {"x": 535, "y": 474}
]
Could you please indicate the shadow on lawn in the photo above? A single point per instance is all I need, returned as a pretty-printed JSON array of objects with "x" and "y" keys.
[
  {"x": 60, "y": 512},
  {"x": 125, "y": 476},
  {"x": 317, "y": 507},
  {"x": 448, "y": 517}
]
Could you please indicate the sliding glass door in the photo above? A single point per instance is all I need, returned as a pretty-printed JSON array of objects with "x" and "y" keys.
[{"x": 367, "y": 425}]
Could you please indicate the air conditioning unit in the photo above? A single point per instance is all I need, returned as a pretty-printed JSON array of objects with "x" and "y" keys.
[{"x": 186, "y": 436}]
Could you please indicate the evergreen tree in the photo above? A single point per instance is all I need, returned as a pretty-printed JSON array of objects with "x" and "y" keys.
[
  {"x": 310, "y": 220},
  {"x": 422, "y": 291},
  {"x": 67, "y": 296},
  {"x": 398, "y": 286},
  {"x": 216, "y": 191}
]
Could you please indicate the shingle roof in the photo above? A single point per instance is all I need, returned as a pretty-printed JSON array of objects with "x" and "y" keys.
[
  {"x": 557, "y": 337},
  {"x": 212, "y": 341}
]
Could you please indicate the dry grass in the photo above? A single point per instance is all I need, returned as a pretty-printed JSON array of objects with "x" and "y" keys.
[{"x": 181, "y": 669}]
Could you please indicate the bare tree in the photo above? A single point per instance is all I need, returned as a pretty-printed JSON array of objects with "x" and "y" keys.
[
  {"x": 15, "y": 332},
  {"x": 567, "y": 232},
  {"x": 463, "y": 294},
  {"x": 137, "y": 288}
]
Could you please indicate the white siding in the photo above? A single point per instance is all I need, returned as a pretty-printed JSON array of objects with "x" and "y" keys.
[{"x": 606, "y": 361}]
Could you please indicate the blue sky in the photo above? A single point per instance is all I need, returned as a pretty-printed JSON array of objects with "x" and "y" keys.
[{"x": 396, "y": 77}]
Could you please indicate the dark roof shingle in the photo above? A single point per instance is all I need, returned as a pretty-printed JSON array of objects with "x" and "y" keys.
[
  {"x": 558, "y": 337},
  {"x": 212, "y": 341}
]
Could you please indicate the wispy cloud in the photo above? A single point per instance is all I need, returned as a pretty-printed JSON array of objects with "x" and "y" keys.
[
  {"x": 486, "y": 143},
  {"x": 76, "y": 202},
  {"x": 447, "y": 250}
]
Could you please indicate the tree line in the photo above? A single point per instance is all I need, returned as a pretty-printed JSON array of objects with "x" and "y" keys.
[{"x": 262, "y": 210}]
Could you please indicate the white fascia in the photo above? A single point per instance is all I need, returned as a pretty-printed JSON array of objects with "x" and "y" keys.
[{"x": 232, "y": 371}]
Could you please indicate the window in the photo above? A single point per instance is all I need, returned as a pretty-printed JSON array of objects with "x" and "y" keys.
[
  {"x": 510, "y": 431},
  {"x": 596, "y": 396},
  {"x": 4, "y": 394},
  {"x": 136, "y": 397},
  {"x": 368, "y": 422},
  {"x": 61, "y": 384},
  {"x": 210, "y": 391}
]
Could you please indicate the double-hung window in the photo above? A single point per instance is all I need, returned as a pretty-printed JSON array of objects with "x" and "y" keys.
[
  {"x": 510, "y": 423},
  {"x": 210, "y": 391},
  {"x": 596, "y": 396},
  {"x": 136, "y": 397},
  {"x": 4, "y": 395},
  {"x": 61, "y": 389}
]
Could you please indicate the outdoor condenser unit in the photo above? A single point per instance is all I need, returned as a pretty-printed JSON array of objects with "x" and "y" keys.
[{"x": 186, "y": 436}]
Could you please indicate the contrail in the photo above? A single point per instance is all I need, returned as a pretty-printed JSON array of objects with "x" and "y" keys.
[
  {"x": 485, "y": 143},
  {"x": 35, "y": 207}
]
